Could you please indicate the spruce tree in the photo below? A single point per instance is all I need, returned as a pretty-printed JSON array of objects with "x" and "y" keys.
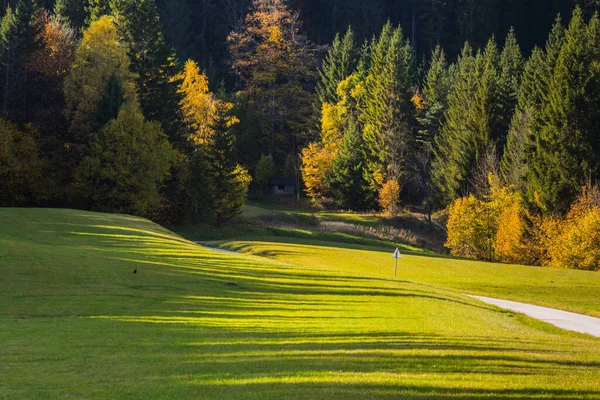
[
  {"x": 452, "y": 162},
  {"x": 348, "y": 183},
  {"x": 386, "y": 109},
  {"x": 564, "y": 154},
  {"x": 509, "y": 80},
  {"x": 152, "y": 62},
  {"x": 431, "y": 118},
  {"x": 339, "y": 63},
  {"x": 18, "y": 40},
  {"x": 230, "y": 181},
  {"x": 72, "y": 12},
  {"x": 533, "y": 95}
]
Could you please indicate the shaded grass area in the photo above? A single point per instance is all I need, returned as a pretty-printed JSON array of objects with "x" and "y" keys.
[
  {"x": 570, "y": 290},
  {"x": 369, "y": 229},
  {"x": 192, "y": 323}
]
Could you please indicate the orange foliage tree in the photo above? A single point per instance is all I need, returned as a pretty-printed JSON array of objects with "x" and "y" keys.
[
  {"x": 389, "y": 197},
  {"x": 58, "y": 42}
]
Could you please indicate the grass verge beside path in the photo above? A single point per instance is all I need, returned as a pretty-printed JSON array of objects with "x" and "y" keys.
[{"x": 193, "y": 323}]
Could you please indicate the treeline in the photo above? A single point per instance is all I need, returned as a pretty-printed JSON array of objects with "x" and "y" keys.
[
  {"x": 104, "y": 118},
  {"x": 494, "y": 123},
  {"x": 198, "y": 29}
]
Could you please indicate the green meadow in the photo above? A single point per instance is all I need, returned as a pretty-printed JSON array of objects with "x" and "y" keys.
[{"x": 302, "y": 316}]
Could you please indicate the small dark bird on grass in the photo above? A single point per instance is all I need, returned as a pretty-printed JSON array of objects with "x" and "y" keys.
[{"x": 135, "y": 271}]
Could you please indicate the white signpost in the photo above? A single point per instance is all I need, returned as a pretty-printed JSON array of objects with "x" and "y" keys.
[{"x": 396, "y": 255}]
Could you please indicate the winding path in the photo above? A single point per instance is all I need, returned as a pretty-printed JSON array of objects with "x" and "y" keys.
[{"x": 562, "y": 319}]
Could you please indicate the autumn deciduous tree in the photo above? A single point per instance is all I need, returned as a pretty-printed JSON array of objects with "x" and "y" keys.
[
  {"x": 576, "y": 242},
  {"x": 198, "y": 104},
  {"x": 275, "y": 66},
  {"x": 389, "y": 197},
  {"x": 216, "y": 184},
  {"x": 58, "y": 44},
  {"x": 99, "y": 56}
]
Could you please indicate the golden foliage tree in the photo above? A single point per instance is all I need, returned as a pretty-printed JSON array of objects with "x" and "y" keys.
[
  {"x": 99, "y": 56},
  {"x": 199, "y": 105},
  {"x": 275, "y": 65},
  {"x": 389, "y": 197},
  {"x": 575, "y": 243},
  {"x": 56, "y": 53}
]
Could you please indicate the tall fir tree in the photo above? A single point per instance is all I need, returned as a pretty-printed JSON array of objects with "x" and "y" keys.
[
  {"x": 18, "y": 40},
  {"x": 72, "y": 12},
  {"x": 152, "y": 62},
  {"x": 431, "y": 118},
  {"x": 533, "y": 95},
  {"x": 386, "y": 107},
  {"x": 340, "y": 61},
  {"x": 564, "y": 142},
  {"x": 510, "y": 70},
  {"x": 451, "y": 162}
]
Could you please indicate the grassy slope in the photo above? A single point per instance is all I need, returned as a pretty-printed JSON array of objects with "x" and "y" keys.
[{"x": 76, "y": 322}]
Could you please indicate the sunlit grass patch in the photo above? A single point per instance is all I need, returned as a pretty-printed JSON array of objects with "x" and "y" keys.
[{"x": 297, "y": 320}]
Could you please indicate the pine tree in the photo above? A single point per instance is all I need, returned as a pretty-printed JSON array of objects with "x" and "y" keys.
[
  {"x": 348, "y": 183},
  {"x": 339, "y": 63},
  {"x": 152, "y": 62},
  {"x": 386, "y": 109},
  {"x": 564, "y": 152},
  {"x": 17, "y": 42},
  {"x": 72, "y": 12}
]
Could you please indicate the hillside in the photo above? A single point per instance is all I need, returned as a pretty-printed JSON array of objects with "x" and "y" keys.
[{"x": 77, "y": 322}]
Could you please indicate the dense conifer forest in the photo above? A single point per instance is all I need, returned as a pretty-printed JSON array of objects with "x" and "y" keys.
[{"x": 486, "y": 111}]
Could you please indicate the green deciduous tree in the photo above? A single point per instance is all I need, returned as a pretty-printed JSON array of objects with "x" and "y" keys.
[{"x": 129, "y": 158}]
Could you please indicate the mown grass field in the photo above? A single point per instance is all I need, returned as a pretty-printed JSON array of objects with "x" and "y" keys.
[{"x": 312, "y": 321}]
